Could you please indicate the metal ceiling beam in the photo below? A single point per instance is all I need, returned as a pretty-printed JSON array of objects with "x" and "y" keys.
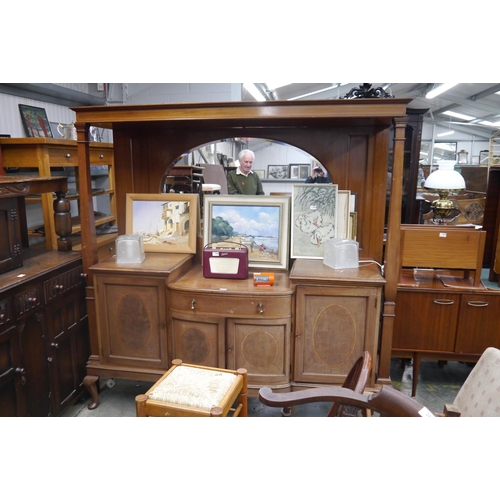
[{"x": 55, "y": 94}]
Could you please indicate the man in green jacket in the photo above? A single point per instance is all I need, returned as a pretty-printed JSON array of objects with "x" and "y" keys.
[{"x": 243, "y": 180}]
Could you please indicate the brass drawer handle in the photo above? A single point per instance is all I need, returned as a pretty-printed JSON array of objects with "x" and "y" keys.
[
  {"x": 260, "y": 305},
  {"x": 193, "y": 302},
  {"x": 68, "y": 155},
  {"x": 444, "y": 302},
  {"x": 477, "y": 303},
  {"x": 101, "y": 156}
]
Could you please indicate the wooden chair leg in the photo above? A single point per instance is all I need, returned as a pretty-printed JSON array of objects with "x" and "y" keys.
[
  {"x": 244, "y": 392},
  {"x": 416, "y": 372},
  {"x": 140, "y": 405}
]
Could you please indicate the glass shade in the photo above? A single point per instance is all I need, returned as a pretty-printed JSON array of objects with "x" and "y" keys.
[{"x": 445, "y": 178}]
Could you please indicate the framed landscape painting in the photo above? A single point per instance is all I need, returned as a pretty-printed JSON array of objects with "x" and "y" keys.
[
  {"x": 261, "y": 223},
  {"x": 168, "y": 222},
  {"x": 314, "y": 219}
]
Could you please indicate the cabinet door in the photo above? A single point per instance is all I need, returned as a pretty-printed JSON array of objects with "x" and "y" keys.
[
  {"x": 34, "y": 361},
  {"x": 262, "y": 346},
  {"x": 478, "y": 325},
  {"x": 132, "y": 323},
  {"x": 68, "y": 348},
  {"x": 426, "y": 321},
  {"x": 198, "y": 339},
  {"x": 12, "y": 380},
  {"x": 333, "y": 328}
]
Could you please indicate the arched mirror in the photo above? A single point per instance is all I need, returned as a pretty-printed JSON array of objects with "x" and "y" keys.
[{"x": 278, "y": 164}]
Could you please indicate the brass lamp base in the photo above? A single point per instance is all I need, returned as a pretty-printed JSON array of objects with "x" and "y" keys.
[{"x": 442, "y": 206}]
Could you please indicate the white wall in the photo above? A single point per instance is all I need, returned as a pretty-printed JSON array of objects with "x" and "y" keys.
[{"x": 159, "y": 93}]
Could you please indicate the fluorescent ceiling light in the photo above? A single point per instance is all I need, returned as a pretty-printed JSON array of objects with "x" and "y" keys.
[
  {"x": 315, "y": 92},
  {"x": 446, "y": 133},
  {"x": 439, "y": 90},
  {"x": 490, "y": 124},
  {"x": 459, "y": 115},
  {"x": 254, "y": 91}
]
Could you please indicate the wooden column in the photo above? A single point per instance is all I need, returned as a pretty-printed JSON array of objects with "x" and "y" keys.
[{"x": 392, "y": 251}]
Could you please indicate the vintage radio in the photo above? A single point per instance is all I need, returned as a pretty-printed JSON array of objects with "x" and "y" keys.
[{"x": 225, "y": 259}]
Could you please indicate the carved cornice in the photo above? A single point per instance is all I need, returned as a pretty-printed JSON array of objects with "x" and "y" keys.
[{"x": 366, "y": 90}]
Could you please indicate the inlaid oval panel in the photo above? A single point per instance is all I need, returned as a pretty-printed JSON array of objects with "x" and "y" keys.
[
  {"x": 132, "y": 317},
  {"x": 334, "y": 335},
  {"x": 193, "y": 347},
  {"x": 259, "y": 349}
]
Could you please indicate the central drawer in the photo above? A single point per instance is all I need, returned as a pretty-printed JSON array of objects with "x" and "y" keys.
[{"x": 230, "y": 306}]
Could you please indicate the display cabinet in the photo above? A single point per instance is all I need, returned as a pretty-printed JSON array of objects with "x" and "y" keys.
[{"x": 351, "y": 138}]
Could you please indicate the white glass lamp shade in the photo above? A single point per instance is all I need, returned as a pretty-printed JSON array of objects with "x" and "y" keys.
[{"x": 445, "y": 178}]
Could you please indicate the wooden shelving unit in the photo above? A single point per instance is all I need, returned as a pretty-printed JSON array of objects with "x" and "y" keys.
[{"x": 47, "y": 157}]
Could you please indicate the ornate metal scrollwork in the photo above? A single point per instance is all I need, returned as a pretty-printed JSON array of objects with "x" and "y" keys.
[{"x": 366, "y": 90}]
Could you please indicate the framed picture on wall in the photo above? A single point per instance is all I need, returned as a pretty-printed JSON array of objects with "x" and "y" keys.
[
  {"x": 261, "y": 223},
  {"x": 314, "y": 219},
  {"x": 168, "y": 222},
  {"x": 260, "y": 173},
  {"x": 35, "y": 121},
  {"x": 299, "y": 170},
  {"x": 277, "y": 172}
]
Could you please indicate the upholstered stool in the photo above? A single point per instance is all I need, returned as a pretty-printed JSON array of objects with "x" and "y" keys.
[
  {"x": 211, "y": 188},
  {"x": 195, "y": 391}
]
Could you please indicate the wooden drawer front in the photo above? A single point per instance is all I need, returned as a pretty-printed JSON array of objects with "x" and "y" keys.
[
  {"x": 478, "y": 325},
  {"x": 262, "y": 307},
  {"x": 63, "y": 157},
  {"x": 426, "y": 321},
  {"x": 28, "y": 299},
  {"x": 6, "y": 311},
  {"x": 61, "y": 284},
  {"x": 101, "y": 156}
]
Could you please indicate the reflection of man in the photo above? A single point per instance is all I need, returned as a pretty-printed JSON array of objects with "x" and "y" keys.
[
  {"x": 318, "y": 176},
  {"x": 243, "y": 180}
]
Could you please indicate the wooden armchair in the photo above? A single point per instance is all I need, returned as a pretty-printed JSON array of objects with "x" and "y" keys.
[
  {"x": 388, "y": 402},
  {"x": 355, "y": 381},
  {"x": 480, "y": 394}
]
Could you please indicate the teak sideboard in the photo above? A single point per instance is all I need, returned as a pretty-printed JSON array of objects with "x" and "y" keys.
[{"x": 351, "y": 138}]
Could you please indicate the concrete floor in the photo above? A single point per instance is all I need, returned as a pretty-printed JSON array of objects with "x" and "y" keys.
[{"x": 436, "y": 387}]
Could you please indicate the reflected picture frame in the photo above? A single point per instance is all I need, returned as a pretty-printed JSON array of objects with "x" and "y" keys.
[
  {"x": 168, "y": 222},
  {"x": 277, "y": 172},
  {"x": 35, "y": 121},
  {"x": 261, "y": 223},
  {"x": 313, "y": 219},
  {"x": 299, "y": 170}
]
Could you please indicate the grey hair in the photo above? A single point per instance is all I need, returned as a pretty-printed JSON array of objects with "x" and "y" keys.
[{"x": 244, "y": 152}]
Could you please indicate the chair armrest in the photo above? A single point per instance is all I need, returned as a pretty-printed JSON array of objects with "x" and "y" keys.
[{"x": 451, "y": 411}]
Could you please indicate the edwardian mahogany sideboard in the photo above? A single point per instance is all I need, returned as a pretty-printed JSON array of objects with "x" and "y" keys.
[{"x": 350, "y": 137}]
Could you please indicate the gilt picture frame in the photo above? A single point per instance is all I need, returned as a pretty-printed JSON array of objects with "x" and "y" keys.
[
  {"x": 261, "y": 223},
  {"x": 35, "y": 121},
  {"x": 168, "y": 222},
  {"x": 313, "y": 219}
]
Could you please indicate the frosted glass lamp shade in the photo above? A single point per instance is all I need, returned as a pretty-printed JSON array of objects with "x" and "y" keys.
[{"x": 445, "y": 178}]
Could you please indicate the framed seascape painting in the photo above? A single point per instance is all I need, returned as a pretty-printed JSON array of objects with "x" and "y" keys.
[
  {"x": 261, "y": 223},
  {"x": 35, "y": 121},
  {"x": 314, "y": 219},
  {"x": 167, "y": 222}
]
